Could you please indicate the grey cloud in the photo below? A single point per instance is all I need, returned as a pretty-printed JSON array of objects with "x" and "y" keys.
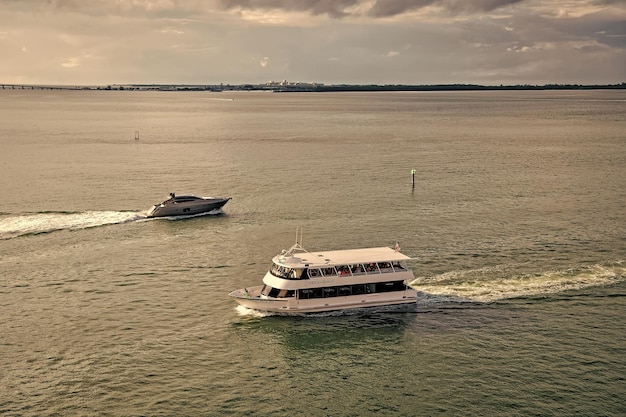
[
  {"x": 333, "y": 8},
  {"x": 143, "y": 8},
  {"x": 609, "y": 2},
  {"x": 386, "y": 8},
  {"x": 604, "y": 28},
  {"x": 381, "y": 8}
]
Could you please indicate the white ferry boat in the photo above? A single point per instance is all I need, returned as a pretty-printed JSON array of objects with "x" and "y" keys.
[{"x": 307, "y": 282}]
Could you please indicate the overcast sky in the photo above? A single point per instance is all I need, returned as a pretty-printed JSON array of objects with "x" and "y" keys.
[{"x": 491, "y": 42}]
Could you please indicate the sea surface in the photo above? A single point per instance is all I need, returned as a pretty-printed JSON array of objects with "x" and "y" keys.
[{"x": 516, "y": 226}]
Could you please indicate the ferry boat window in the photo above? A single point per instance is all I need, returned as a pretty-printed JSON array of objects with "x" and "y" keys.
[
  {"x": 305, "y": 293},
  {"x": 281, "y": 271},
  {"x": 357, "y": 269},
  {"x": 359, "y": 289},
  {"x": 344, "y": 290},
  {"x": 398, "y": 265},
  {"x": 314, "y": 273},
  {"x": 310, "y": 293},
  {"x": 330, "y": 271},
  {"x": 330, "y": 291},
  {"x": 343, "y": 270},
  {"x": 317, "y": 293},
  {"x": 384, "y": 266},
  {"x": 284, "y": 272},
  {"x": 286, "y": 293},
  {"x": 390, "y": 286},
  {"x": 274, "y": 292}
]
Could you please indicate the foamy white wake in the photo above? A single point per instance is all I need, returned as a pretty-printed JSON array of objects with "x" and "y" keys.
[
  {"x": 492, "y": 284},
  {"x": 14, "y": 226},
  {"x": 245, "y": 311}
]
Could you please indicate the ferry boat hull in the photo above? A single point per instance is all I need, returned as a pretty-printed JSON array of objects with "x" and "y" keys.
[{"x": 296, "y": 306}]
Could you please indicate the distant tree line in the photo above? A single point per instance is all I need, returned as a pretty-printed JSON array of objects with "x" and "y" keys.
[
  {"x": 451, "y": 87},
  {"x": 297, "y": 87}
]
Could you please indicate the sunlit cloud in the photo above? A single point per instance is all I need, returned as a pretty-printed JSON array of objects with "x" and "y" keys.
[
  {"x": 71, "y": 62},
  {"x": 172, "y": 31}
]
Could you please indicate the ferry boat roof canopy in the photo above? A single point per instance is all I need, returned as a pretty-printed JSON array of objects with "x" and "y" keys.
[{"x": 340, "y": 257}]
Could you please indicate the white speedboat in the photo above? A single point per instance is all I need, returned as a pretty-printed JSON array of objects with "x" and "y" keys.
[
  {"x": 307, "y": 282},
  {"x": 187, "y": 205}
]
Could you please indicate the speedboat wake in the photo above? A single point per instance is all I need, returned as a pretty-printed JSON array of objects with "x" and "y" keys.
[{"x": 12, "y": 226}]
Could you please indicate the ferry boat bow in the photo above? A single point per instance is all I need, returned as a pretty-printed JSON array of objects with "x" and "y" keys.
[{"x": 307, "y": 282}]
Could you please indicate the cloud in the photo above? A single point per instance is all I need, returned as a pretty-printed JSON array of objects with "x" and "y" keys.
[
  {"x": 275, "y": 10},
  {"x": 118, "y": 7},
  {"x": 71, "y": 62},
  {"x": 172, "y": 31},
  {"x": 329, "y": 41},
  {"x": 332, "y": 8},
  {"x": 377, "y": 8}
]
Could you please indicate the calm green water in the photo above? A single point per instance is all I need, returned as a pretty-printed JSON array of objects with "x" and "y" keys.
[{"x": 516, "y": 226}]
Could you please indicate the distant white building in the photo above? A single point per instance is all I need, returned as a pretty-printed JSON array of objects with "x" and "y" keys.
[{"x": 285, "y": 83}]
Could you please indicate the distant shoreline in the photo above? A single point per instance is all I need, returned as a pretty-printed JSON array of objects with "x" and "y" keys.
[{"x": 315, "y": 88}]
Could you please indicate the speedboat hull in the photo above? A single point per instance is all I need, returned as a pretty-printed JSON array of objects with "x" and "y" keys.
[{"x": 187, "y": 206}]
